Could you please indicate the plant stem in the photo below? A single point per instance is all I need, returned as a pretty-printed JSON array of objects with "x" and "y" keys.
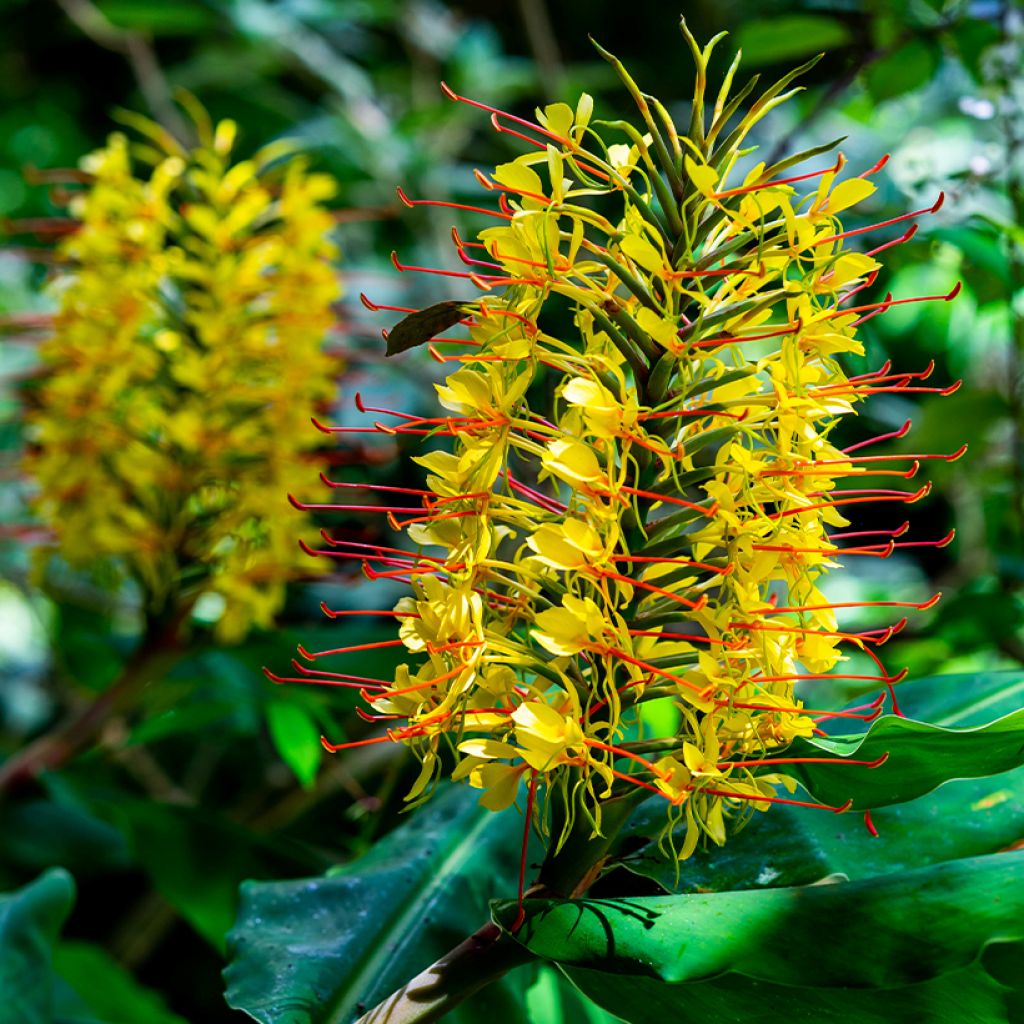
[
  {"x": 477, "y": 961},
  {"x": 158, "y": 649},
  {"x": 488, "y": 954}
]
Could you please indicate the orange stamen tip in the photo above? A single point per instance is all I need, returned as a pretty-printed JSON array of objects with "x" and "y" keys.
[
  {"x": 371, "y": 306},
  {"x": 270, "y": 675},
  {"x": 331, "y": 748},
  {"x": 879, "y": 761},
  {"x": 319, "y": 426},
  {"x": 958, "y": 454},
  {"x": 328, "y": 611},
  {"x": 303, "y": 653},
  {"x": 954, "y": 387},
  {"x": 403, "y": 198},
  {"x": 843, "y": 808},
  {"x": 448, "y": 91},
  {"x": 870, "y": 825},
  {"x": 900, "y": 676},
  {"x": 931, "y": 602},
  {"x": 938, "y": 204}
]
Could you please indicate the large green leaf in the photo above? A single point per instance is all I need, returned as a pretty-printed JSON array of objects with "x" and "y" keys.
[
  {"x": 921, "y": 757},
  {"x": 552, "y": 1000},
  {"x": 93, "y": 988},
  {"x": 963, "y": 699},
  {"x": 29, "y": 922},
  {"x": 321, "y": 950},
  {"x": 195, "y": 857},
  {"x": 898, "y": 948},
  {"x": 798, "y": 846}
]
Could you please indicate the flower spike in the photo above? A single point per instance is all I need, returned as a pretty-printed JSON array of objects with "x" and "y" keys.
[{"x": 645, "y": 505}]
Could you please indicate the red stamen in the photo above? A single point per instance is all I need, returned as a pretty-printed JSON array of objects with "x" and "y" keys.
[
  {"x": 320, "y": 507},
  {"x": 774, "y": 799},
  {"x": 876, "y": 763},
  {"x": 898, "y": 532},
  {"x": 452, "y": 206},
  {"x": 693, "y": 605},
  {"x": 894, "y": 435},
  {"x": 920, "y": 606},
  {"x": 313, "y": 655},
  {"x": 351, "y": 683},
  {"x": 934, "y": 208},
  {"x": 531, "y": 796},
  {"x": 905, "y": 237},
  {"x": 835, "y": 169}
]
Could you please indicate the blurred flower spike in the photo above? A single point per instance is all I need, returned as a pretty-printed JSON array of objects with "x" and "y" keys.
[
  {"x": 194, "y": 294},
  {"x": 638, "y": 496}
]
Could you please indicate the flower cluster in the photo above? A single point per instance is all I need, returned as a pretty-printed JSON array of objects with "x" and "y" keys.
[
  {"x": 641, "y": 493},
  {"x": 185, "y": 358}
]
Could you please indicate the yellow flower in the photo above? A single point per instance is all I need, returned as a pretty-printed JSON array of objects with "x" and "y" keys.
[
  {"x": 185, "y": 363},
  {"x": 645, "y": 504}
]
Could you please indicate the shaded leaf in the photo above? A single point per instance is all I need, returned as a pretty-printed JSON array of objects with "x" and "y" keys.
[
  {"x": 905, "y": 69},
  {"x": 789, "y": 36},
  {"x": 296, "y": 738},
  {"x": 420, "y": 327},
  {"x": 798, "y": 845},
  {"x": 106, "y": 988},
  {"x": 30, "y": 919},
  {"x": 907, "y": 949},
  {"x": 319, "y": 950}
]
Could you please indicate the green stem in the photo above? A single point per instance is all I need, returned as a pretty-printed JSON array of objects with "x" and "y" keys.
[{"x": 488, "y": 954}]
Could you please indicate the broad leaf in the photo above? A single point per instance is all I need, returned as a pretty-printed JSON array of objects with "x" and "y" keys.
[
  {"x": 106, "y": 991},
  {"x": 798, "y": 846},
  {"x": 897, "y": 948},
  {"x": 30, "y": 919},
  {"x": 552, "y": 1000},
  {"x": 921, "y": 757},
  {"x": 322, "y": 950}
]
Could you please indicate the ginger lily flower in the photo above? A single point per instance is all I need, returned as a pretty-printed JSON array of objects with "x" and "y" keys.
[
  {"x": 644, "y": 504},
  {"x": 195, "y": 291}
]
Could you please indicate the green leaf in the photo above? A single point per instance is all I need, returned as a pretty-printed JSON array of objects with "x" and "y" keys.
[
  {"x": 321, "y": 950},
  {"x": 955, "y": 998},
  {"x": 921, "y": 758},
  {"x": 40, "y": 834},
  {"x": 903, "y": 947},
  {"x": 170, "y": 17},
  {"x": 297, "y": 739},
  {"x": 106, "y": 988},
  {"x": 551, "y": 999},
  {"x": 798, "y": 845},
  {"x": 963, "y": 699},
  {"x": 195, "y": 858},
  {"x": 30, "y": 919},
  {"x": 773, "y": 40},
  {"x": 902, "y": 71}
]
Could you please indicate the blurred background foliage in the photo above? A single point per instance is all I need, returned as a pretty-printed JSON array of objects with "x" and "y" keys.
[{"x": 216, "y": 775}]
